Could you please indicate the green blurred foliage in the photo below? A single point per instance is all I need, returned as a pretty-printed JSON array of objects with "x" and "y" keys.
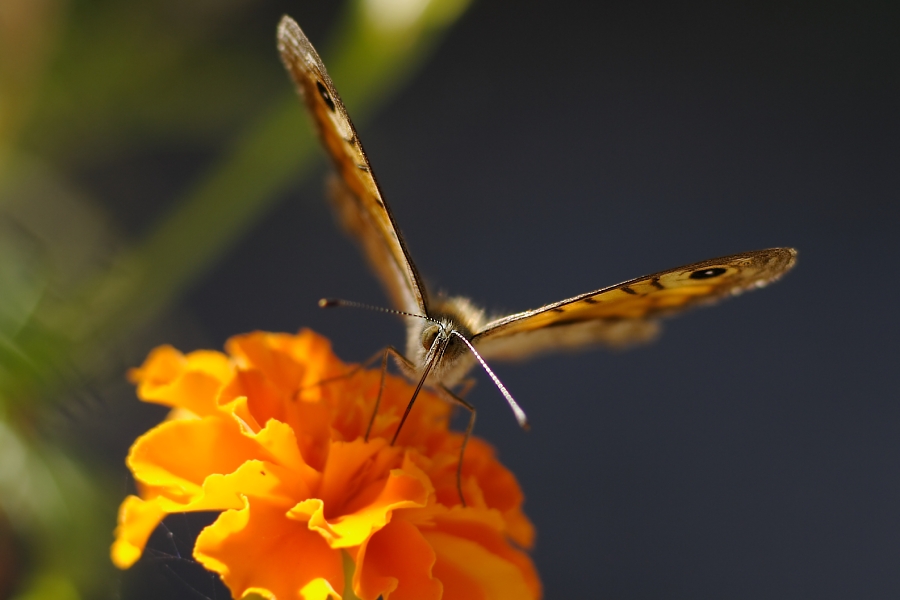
[{"x": 83, "y": 82}]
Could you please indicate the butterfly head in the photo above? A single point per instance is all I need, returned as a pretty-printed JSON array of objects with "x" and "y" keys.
[
  {"x": 442, "y": 346},
  {"x": 439, "y": 348},
  {"x": 437, "y": 338},
  {"x": 437, "y": 342}
]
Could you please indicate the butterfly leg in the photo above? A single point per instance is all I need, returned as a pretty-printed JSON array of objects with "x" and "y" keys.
[
  {"x": 457, "y": 400},
  {"x": 350, "y": 373},
  {"x": 404, "y": 363},
  {"x": 466, "y": 386}
]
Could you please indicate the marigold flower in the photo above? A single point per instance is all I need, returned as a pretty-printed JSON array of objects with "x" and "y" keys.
[{"x": 272, "y": 434}]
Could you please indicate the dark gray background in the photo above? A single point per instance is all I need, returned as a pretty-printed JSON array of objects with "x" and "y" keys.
[{"x": 549, "y": 149}]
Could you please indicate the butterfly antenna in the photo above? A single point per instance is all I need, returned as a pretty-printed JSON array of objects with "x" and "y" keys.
[
  {"x": 517, "y": 410},
  {"x": 335, "y": 302}
]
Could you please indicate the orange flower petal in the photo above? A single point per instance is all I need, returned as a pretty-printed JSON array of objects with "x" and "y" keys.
[
  {"x": 217, "y": 480},
  {"x": 258, "y": 549},
  {"x": 137, "y": 520},
  {"x": 280, "y": 443},
  {"x": 214, "y": 445},
  {"x": 288, "y": 361},
  {"x": 257, "y": 479},
  {"x": 396, "y": 562},
  {"x": 309, "y": 418},
  {"x": 278, "y": 446},
  {"x": 406, "y": 487},
  {"x": 480, "y": 528},
  {"x": 237, "y": 407},
  {"x": 469, "y": 571},
  {"x": 319, "y": 589},
  {"x": 162, "y": 365},
  {"x": 499, "y": 489},
  {"x": 348, "y": 462},
  {"x": 193, "y": 382},
  {"x": 216, "y": 364}
]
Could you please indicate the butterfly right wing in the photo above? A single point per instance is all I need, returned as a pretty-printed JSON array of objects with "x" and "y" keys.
[
  {"x": 626, "y": 313},
  {"x": 355, "y": 192}
]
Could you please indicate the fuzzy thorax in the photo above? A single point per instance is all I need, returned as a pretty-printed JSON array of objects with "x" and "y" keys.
[{"x": 433, "y": 340}]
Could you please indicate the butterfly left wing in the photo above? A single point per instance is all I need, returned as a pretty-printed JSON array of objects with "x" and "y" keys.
[
  {"x": 625, "y": 313},
  {"x": 355, "y": 191}
]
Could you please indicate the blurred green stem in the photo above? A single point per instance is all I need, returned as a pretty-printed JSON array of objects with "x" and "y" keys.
[{"x": 367, "y": 63}]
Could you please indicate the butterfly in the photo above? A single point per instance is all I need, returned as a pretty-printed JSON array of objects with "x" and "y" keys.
[{"x": 446, "y": 336}]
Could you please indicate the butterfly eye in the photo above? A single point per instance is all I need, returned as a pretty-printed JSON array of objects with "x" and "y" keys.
[
  {"x": 429, "y": 335},
  {"x": 325, "y": 95},
  {"x": 708, "y": 273}
]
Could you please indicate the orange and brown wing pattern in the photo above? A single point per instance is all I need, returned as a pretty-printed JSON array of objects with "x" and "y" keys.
[
  {"x": 652, "y": 296},
  {"x": 360, "y": 204}
]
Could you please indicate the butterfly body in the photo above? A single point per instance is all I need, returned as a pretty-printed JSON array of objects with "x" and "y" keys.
[{"x": 452, "y": 360}]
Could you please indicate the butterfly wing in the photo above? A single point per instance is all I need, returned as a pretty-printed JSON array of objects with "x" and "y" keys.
[
  {"x": 355, "y": 193},
  {"x": 625, "y": 313}
]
